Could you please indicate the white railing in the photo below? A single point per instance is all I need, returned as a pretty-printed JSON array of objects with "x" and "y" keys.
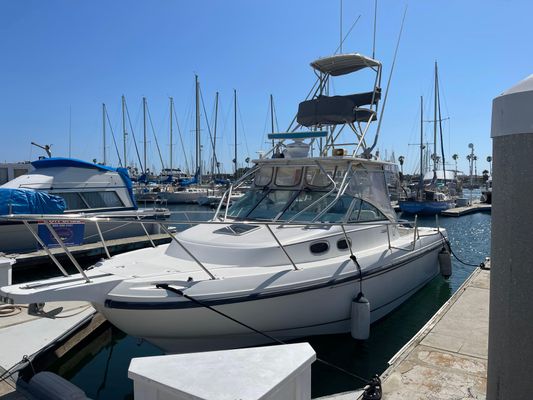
[{"x": 49, "y": 219}]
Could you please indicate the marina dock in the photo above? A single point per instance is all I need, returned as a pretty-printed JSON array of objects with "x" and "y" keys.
[
  {"x": 62, "y": 326},
  {"x": 447, "y": 359},
  {"x": 473, "y": 208}
]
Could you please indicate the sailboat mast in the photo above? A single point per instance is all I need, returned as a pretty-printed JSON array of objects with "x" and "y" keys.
[
  {"x": 235, "y": 138},
  {"x": 198, "y": 145},
  {"x": 440, "y": 132},
  {"x": 171, "y": 112},
  {"x": 421, "y": 181},
  {"x": 144, "y": 132},
  {"x": 103, "y": 130},
  {"x": 214, "y": 161},
  {"x": 272, "y": 117},
  {"x": 435, "y": 128},
  {"x": 125, "y": 134}
]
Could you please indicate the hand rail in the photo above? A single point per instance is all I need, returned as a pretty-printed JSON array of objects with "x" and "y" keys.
[
  {"x": 282, "y": 248},
  {"x": 211, "y": 276},
  {"x": 47, "y": 219},
  {"x": 67, "y": 252}
]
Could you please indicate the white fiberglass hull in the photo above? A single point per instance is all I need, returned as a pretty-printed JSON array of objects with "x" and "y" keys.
[
  {"x": 253, "y": 284},
  {"x": 314, "y": 311}
]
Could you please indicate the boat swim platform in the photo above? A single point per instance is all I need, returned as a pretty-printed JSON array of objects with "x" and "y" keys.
[
  {"x": 95, "y": 250},
  {"x": 447, "y": 358},
  {"x": 62, "y": 327},
  {"x": 473, "y": 208}
]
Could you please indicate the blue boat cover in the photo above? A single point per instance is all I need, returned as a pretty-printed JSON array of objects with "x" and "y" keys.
[
  {"x": 28, "y": 201},
  {"x": 72, "y": 162}
]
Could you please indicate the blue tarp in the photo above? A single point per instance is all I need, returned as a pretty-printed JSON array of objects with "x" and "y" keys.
[{"x": 28, "y": 201}]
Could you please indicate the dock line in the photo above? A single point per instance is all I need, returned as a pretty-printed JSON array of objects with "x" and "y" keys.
[
  {"x": 480, "y": 265},
  {"x": 372, "y": 389}
]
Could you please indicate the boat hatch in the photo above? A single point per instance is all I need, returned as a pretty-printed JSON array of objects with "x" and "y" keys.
[{"x": 237, "y": 229}]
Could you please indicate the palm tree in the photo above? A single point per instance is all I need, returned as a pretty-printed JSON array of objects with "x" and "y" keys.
[
  {"x": 401, "y": 159},
  {"x": 489, "y": 160},
  {"x": 455, "y": 158}
]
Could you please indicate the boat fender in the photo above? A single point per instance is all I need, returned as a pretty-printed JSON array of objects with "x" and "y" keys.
[
  {"x": 445, "y": 262},
  {"x": 360, "y": 318},
  {"x": 48, "y": 386}
]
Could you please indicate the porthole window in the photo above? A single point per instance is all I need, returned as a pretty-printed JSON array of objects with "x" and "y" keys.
[
  {"x": 343, "y": 245},
  {"x": 319, "y": 247}
]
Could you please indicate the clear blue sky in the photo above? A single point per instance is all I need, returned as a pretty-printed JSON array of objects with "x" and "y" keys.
[{"x": 58, "y": 56}]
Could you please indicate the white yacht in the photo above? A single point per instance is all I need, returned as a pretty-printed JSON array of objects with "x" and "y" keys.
[
  {"x": 86, "y": 189},
  {"x": 312, "y": 248}
]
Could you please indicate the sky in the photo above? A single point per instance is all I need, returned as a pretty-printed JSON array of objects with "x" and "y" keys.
[{"x": 62, "y": 59}]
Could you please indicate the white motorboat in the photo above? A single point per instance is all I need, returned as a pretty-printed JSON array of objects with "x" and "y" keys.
[
  {"x": 215, "y": 197},
  {"x": 312, "y": 248},
  {"x": 87, "y": 190},
  {"x": 182, "y": 195}
]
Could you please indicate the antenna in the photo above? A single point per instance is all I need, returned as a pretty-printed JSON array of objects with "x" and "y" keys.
[
  {"x": 368, "y": 151},
  {"x": 375, "y": 24},
  {"x": 46, "y": 147},
  {"x": 340, "y": 25},
  {"x": 70, "y": 131}
]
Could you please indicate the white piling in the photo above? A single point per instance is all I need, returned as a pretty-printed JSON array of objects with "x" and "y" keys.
[{"x": 511, "y": 280}]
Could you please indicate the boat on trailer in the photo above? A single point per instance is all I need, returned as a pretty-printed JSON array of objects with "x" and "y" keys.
[{"x": 313, "y": 247}]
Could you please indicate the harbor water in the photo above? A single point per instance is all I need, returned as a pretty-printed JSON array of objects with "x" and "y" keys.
[{"x": 100, "y": 369}]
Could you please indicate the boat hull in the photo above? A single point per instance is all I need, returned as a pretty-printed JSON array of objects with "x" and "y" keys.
[
  {"x": 424, "y": 207},
  {"x": 321, "y": 309}
]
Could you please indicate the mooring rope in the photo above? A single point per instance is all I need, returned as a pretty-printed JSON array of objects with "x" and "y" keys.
[{"x": 369, "y": 382}]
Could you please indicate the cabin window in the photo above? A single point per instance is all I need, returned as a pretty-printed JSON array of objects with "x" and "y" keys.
[
  {"x": 102, "y": 199},
  {"x": 287, "y": 176},
  {"x": 263, "y": 176},
  {"x": 364, "y": 212},
  {"x": 319, "y": 248},
  {"x": 315, "y": 177},
  {"x": 342, "y": 244},
  {"x": 340, "y": 174},
  {"x": 73, "y": 201},
  {"x": 272, "y": 204},
  {"x": 308, "y": 204},
  {"x": 242, "y": 207}
]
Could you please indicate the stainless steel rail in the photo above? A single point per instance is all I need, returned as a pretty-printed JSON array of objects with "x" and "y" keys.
[{"x": 47, "y": 220}]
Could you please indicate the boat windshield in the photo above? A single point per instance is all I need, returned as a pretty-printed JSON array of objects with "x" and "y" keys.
[{"x": 302, "y": 206}]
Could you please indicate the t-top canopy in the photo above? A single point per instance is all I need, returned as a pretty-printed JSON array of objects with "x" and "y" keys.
[{"x": 342, "y": 64}]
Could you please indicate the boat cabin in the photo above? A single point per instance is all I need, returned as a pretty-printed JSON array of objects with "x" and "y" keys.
[
  {"x": 85, "y": 187},
  {"x": 325, "y": 189}
]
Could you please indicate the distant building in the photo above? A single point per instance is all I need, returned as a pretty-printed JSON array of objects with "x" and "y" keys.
[{"x": 9, "y": 171}]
